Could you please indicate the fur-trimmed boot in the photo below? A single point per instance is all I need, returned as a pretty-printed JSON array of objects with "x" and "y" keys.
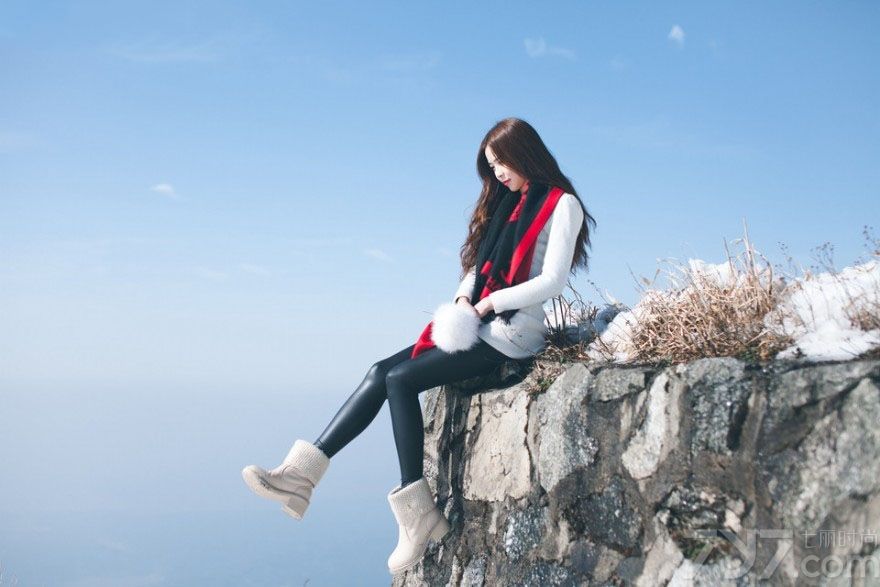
[
  {"x": 418, "y": 519},
  {"x": 291, "y": 482}
]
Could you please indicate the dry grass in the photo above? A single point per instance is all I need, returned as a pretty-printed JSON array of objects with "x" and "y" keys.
[
  {"x": 701, "y": 314},
  {"x": 712, "y": 317},
  {"x": 865, "y": 315},
  {"x": 852, "y": 291}
]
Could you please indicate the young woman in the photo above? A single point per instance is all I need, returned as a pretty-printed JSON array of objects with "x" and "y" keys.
[{"x": 529, "y": 230}]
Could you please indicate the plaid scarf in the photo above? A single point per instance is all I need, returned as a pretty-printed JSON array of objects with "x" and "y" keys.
[{"x": 505, "y": 252}]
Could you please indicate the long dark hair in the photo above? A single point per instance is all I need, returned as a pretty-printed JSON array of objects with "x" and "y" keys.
[{"x": 517, "y": 145}]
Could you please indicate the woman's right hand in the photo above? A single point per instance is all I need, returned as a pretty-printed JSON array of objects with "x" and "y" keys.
[{"x": 465, "y": 301}]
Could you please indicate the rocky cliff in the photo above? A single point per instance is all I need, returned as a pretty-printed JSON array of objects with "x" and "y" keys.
[{"x": 708, "y": 473}]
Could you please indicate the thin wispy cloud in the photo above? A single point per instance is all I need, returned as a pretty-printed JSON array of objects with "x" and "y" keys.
[
  {"x": 211, "y": 274},
  {"x": 169, "y": 51},
  {"x": 13, "y": 141},
  {"x": 539, "y": 48},
  {"x": 166, "y": 189},
  {"x": 409, "y": 63},
  {"x": 215, "y": 274},
  {"x": 114, "y": 545},
  {"x": 119, "y": 580},
  {"x": 311, "y": 248},
  {"x": 254, "y": 269},
  {"x": 447, "y": 252},
  {"x": 402, "y": 65},
  {"x": 320, "y": 242},
  {"x": 676, "y": 35},
  {"x": 618, "y": 63},
  {"x": 378, "y": 254},
  {"x": 323, "y": 67},
  {"x": 661, "y": 134},
  {"x": 78, "y": 245}
]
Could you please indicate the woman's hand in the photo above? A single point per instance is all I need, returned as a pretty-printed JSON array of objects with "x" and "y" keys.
[
  {"x": 464, "y": 301},
  {"x": 482, "y": 308}
]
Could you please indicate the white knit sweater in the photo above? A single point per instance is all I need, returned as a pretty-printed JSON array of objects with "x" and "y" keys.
[{"x": 525, "y": 336}]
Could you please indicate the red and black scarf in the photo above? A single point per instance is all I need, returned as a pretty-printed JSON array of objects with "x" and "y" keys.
[{"x": 505, "y": 251}]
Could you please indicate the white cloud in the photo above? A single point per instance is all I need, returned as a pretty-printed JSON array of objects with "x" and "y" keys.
[
  {"x": 166, "y": 189},
  {"x": 402, "y": 67},
  {"x": 618, "y": 63},
  {"x": 326, "y": 68},
  {"x": 12, "y": 141},
  {"x": 254, "y": 269},
  {"x": 211, "y": 274},
  {"x": 715, "y": 45},
  {"x": 164, "y": 51},
  {"x": 662, "y": 133},
  {"x": 150, "y": 579},
  {"x": 320, "y": 242},
  {"x": 409, "y": 63},
  {"x": 114, "y": 545},
  {"x": 378, "y": 254},
  {"x": 539, "y": 48},
  {"x": 676, "y": 34}
]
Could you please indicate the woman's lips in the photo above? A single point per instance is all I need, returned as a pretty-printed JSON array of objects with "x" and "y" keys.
[{"x": 506, "y": 181}]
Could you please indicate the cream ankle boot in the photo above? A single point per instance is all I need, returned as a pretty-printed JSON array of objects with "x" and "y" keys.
[
  {"x": 291, "y": 482},
  {"x": 419, "y": 520}
]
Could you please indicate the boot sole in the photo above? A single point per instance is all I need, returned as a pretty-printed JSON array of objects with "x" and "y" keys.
[
  {"x": 438, "y": 532},
  {"x": 293, "y": 504}
]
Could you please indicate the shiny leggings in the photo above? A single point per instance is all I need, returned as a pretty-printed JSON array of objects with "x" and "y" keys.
[{"x": 400, "y": 379}]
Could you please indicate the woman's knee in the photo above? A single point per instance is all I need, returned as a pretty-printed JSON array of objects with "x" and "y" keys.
[
  {"x": 396, "y": 381},
  {"x": 372, "y": 388},
  {"x": 376, "y": 371},
  {"x": 375, "y": 377}
]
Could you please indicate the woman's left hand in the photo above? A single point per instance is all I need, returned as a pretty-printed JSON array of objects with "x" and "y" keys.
[{"x": 484, "y": 306}]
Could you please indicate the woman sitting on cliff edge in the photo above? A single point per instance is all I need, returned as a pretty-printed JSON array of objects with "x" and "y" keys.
[{"x": 529, "y": 230}]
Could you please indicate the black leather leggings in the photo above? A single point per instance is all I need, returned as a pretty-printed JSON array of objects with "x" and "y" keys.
[{"x": 400, "y": 379}]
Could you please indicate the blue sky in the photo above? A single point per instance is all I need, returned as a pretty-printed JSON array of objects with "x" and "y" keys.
[
  {"x": 241, "y": 182},
  {"x": 261, "y": 199}
]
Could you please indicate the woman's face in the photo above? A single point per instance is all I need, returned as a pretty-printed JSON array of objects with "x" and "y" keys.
[{"x": 505, "y": 175}]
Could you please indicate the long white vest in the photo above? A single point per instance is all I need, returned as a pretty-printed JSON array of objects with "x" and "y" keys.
[{"x": 526, "y": 334}]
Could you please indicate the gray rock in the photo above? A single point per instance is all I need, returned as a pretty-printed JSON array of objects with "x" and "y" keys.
[
  {"x": 838, "y": 459},
  {"x": 717, "y": 394},
  {"x": 525, "y": 528},
  {"x": 565, "y": 443},
  {"x": 499, "y": 466},
  {"x": 651, "y": 443},
  {"x": 607, "y": 518},
  {"x": 615, "y": 382},
  {"x": 475, "y": 572},
  {"x": 656, "y": 476},
  {"x": 545, "y": 573}
]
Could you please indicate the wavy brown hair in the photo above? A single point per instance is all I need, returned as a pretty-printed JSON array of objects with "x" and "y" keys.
[{"x": 517, "y": 145}]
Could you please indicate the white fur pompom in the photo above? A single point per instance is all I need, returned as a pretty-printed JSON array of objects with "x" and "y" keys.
[{"x": 455, "y": 327}]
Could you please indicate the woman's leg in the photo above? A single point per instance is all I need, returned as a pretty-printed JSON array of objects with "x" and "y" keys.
[
  {"x": 408, "y": 378},
  {"x": 362, "y": 406}
]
